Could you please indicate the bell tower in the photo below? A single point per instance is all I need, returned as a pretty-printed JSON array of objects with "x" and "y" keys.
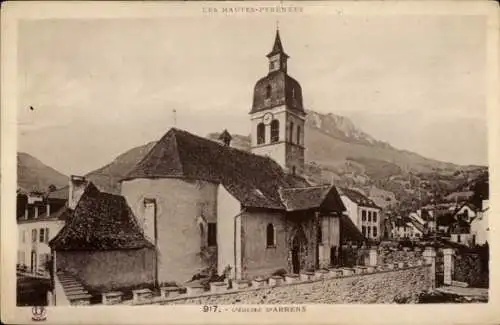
[{"x": 278, "y": 115}]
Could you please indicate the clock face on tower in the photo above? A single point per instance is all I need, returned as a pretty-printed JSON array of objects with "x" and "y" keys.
[{"x": 268, "y": 117}]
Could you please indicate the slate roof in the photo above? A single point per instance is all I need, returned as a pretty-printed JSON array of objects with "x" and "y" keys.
[
  {"x": 312, "y": 197},
  {"x": 277, "y": 46},
  {"x": 100, "y": 221},
  {"x": 358, "y": 198},
  {"x": 252, "y": 179},
  {"x": 349, "y": 231},
  {"x": 61, "y": 193}
]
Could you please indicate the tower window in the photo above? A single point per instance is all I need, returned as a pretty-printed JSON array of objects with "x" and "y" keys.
[
  {"x": 261, "y": 133},
  {"x": 268, "y": 91},
  {"x": 298, "y": 134},
  {"x": 290, "y": 136},
  {"x": 270, "y": 238},
  {"x": 275, "y": 131}
]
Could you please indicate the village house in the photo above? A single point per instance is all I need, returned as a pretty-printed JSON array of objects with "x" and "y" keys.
[
  {"x": 40, "y": 216},
  {"x": 101, "y": 245},
  {"x": 460, "y": 232},
  {"x": 466, "y": 212},
  {"x": 363, "y": 212},
  {"x": 202, "y": 204},
  {"x": 407, "y": 228},
  {"x": 479, "y": 226}
]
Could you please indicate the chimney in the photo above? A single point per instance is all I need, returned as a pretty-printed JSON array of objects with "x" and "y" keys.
[
  {"x": 77, "y": 185},
  {"x": 226, "y": 138}
]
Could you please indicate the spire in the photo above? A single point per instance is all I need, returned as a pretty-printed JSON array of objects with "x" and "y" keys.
[{"x": 277, "y": 47}]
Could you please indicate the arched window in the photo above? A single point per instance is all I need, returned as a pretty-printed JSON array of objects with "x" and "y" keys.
[
  {"x": 298, "y": 134},
  {"x": 261, "y": 133},
  {"x": 275, "y": 131},
  {"x": 268, "y": 91},
  {"x": 290, "y": 135},
  {"x": 270, "y": 238}
]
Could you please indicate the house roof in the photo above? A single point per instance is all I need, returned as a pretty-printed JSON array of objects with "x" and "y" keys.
[
  {"x": 61, "y": 193},
  {"x": 323, "y": 197},
  {"x": 100, "y": 221},
  {"x": 349, "y": 231},
  {"x": 252, "y": 179},
  {"x": 358, "y": 198},
  {"x": 417, "y": 225}
]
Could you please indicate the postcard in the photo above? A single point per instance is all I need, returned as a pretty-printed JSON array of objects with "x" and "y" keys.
[{"x": 249, "y": 162}]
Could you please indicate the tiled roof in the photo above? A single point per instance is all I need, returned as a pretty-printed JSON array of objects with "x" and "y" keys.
[
  {"x": 349, "y": 231},
  {"x": 312, "y": 197},
  {"x": 100, "y": 221},
  {"x": 417, "y": 225},
  {"x": 358, "y": 198},
  {"x": 252, "y": 179},
  {"x": 61, "y": 193}
]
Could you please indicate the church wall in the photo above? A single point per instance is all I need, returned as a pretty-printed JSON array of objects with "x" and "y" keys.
[
  {"x": 257, "y": 258},
  {"x": 181, "y": 206},
  {"x": 330, "y": 227},
  {"x": 227, "y": 210}
]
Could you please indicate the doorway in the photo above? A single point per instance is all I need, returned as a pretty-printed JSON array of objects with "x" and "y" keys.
[{"x": 298, "y": 251}]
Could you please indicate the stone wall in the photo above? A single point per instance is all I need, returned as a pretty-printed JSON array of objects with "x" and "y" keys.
[{"x": 383, "y": 284}]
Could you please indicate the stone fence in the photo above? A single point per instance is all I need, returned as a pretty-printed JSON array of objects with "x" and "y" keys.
[{"x": 369, "y": 283}]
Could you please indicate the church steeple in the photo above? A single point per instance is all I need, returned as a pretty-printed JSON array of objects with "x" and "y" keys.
[
  {"x": 277, "y": 57},
  {"x": 277, "y": 115}
]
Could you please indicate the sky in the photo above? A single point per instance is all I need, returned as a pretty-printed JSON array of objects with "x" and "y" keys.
[{"x": 102, "y": 86}]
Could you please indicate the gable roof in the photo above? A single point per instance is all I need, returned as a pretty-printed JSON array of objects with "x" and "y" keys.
[
  {"x": 358, "y": 198},
  {"x": 100, "y": 221},
  {"x": 417, "y": 225},
  {"x": 252, "y": 179},
  {"x": 325, "y": 197},
  {"x": 349, "y": 231},
  {"x": 61, "y": 193}
]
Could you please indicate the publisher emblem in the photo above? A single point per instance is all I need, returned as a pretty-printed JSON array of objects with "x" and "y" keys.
[{"x": 39, "y": 313}]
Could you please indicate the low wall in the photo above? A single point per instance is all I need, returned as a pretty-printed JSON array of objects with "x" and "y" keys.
[{"x": 386, "y": 286}]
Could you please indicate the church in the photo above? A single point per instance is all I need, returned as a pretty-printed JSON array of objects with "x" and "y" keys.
[{"x": 204, "y": 204}]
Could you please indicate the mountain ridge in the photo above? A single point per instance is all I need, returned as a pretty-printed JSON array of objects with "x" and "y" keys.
[{"x": 336, "y": 151}]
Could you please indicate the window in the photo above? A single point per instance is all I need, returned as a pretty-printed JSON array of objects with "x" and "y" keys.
[
  {"x": 298, "y": 134},
  {"x": 275, "y": 131},
  {"x": 290, "y": 135},
  {"x": 363, "y": 215},
  {"x": 261, "y": 133},
  {"x": 374, "y": 216},
  {"x": 212, "y": 234},
  {"x": 369, "y": 216},
  {"x": 458, "y": 238},
  {"x": 270, "y": 240},
  {"x": 294, "y": 170},
  {"x": 363, "y": 230},
  {"x": 33, "y": 235},
  {"x": 46, "y": 235},
  {"x": 42, "y": 235},
  {"x": 320, "y": 235},
  {"x": 268, "y": 91},
  {"x": 374, "y": 231},
  {"x": 369, "y": 231}
]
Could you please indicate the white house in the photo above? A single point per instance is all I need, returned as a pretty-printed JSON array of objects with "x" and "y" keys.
[
  {"x": 407, "y": 228},
  {"x": 363, "y": 212},
  {"x": 479, "y": 226},
  {"x": 39, "y": 218}
]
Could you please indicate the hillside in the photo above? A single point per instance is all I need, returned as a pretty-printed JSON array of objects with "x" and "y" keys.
[
  {"x": 338, "y": 151},
  {"x": 32, "y": 174}
]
